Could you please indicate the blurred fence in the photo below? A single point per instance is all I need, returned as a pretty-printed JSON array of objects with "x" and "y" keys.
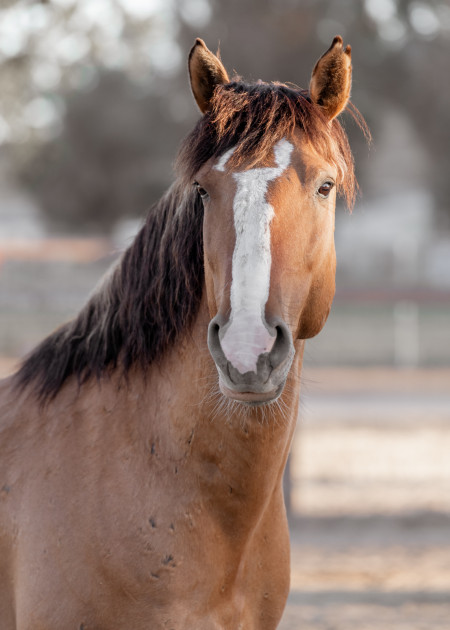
[
  {"x": 41, "y": 288},
  {"x": 43, "y": 284},
  {"x": 384, "y": 327}
]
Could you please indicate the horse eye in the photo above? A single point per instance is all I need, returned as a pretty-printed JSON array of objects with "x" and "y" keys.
[
  {"x": 325, "y": 189},
  {"x": 201, "y": 191}
]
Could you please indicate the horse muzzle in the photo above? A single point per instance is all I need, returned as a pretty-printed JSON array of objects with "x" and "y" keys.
[{"x": 269, "y": 363}]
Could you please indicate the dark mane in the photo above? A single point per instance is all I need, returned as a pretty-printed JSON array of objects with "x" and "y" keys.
[
  {"x": 152, "y": 296},
  {"x": 148, "y": 298}
]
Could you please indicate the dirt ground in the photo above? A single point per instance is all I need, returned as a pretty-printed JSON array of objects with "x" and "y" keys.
[
  {"x": 370, "y": 573},
  {"x": 371, "y": 501},
  {"x": 370, "y": 526}
]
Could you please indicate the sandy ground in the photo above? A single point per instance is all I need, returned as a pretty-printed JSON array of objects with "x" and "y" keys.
[
  {"x": 370, "y": 530},
  {"x": 372, "y": 573},
  {"x": 371, "y": 501}
]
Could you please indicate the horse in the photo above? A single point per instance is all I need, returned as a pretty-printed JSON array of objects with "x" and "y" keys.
[{"x": 143, "y": 443}]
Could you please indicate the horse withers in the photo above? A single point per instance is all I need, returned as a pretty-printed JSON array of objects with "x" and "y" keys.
[{"x": 142, "y": 445}]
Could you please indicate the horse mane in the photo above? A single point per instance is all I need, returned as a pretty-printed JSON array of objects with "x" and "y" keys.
[
  {"x": 152, "y": 295},
  {"x": 143, "y": 304}
]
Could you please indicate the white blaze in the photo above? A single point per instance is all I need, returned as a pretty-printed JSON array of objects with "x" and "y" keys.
[{"x": 246, "y": 337}]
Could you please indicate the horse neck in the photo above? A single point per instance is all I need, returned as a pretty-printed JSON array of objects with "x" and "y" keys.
[{"x": 235, "y": 454}]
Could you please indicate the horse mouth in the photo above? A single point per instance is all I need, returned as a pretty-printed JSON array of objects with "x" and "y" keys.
[{"x": 252, "y": 399}]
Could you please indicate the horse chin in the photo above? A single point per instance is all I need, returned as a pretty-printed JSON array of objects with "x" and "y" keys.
[{"x": 249, "y": 398}]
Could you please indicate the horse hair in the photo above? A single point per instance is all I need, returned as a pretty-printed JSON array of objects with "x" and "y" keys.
[{"x": 153, "y": 294}]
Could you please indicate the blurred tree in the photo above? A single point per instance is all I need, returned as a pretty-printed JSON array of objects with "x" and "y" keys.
[
  {"x": 62, "y": 59},
  {"x": 111, "y": 159},
  {"x": 62, "y": 45},
  {"x": 90, "y": 107},
  {"x": 401, "y": 46}
]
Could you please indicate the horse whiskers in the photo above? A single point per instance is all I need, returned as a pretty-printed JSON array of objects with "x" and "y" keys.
[
  {"x": 276, "y": 412},
  {"x": 211, "y": 394}
]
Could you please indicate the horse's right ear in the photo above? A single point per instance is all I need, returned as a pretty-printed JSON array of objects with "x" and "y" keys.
[
  {"x": 205, "y": 71},
  {"x": 331, "y": 79}
]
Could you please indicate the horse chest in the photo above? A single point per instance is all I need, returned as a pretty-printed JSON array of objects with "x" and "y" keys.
[{"x": 126, "y": 556}]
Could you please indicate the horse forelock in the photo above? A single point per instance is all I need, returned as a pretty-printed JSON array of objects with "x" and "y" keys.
[{"x": 252, "y": 118}]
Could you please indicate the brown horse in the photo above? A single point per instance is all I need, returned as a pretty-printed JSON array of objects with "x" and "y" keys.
[{"x": 142, "y": 445}]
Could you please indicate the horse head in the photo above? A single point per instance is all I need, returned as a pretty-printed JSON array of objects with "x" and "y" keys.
[{"x": 268, "y": 220}]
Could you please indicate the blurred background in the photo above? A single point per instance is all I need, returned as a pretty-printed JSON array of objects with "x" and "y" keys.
[{"x": 94, "y": 101}]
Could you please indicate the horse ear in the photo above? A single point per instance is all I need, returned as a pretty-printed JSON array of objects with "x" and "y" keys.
[
  {"x": 205, "y": 71},
  {"x": 331, "y": 79}
]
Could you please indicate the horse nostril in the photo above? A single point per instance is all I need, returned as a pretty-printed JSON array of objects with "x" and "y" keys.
[
  {"x": 213, "y": 336},
  {"x": 283, "y": 346},
  {"x": 214, "y": 343}
]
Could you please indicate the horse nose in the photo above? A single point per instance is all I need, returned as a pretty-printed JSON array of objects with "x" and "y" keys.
[{"x": 265, "y": 364}]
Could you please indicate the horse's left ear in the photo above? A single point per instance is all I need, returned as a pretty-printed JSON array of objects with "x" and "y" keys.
[
  {"x": 331, "y": 79},
  {"x": 205, "y": 71}
]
